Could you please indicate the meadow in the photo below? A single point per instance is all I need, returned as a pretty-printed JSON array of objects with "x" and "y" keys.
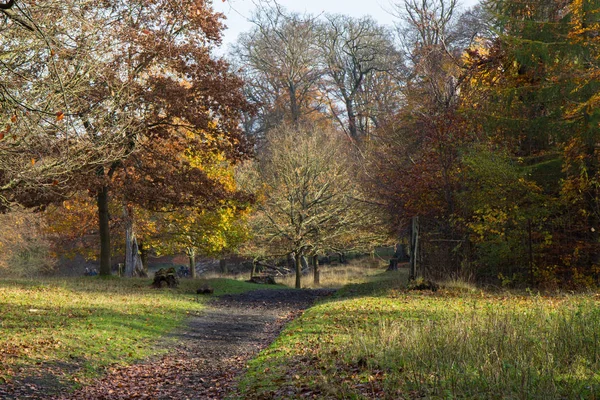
[
  {"x": 67, "y": 331},
  {"x": 379, "y": 340},
  {"x": 373, "y": 339}
]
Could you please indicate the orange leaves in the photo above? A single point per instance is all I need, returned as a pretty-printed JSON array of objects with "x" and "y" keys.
[{"x": 59, "y": 116}]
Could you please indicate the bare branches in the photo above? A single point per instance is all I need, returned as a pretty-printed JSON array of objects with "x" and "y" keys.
[{"x": 308, "y": 197}]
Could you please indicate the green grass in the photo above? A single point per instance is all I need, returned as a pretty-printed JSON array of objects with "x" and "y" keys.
[
  {"x": 377, "y": 340},
  {"x": 75, "y": 328}
]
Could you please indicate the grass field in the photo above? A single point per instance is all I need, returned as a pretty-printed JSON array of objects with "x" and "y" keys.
[
  {"x": 378, "y": 340},
  {"x": 331, "y": 276},
  {"x": 70, "y": 329}
]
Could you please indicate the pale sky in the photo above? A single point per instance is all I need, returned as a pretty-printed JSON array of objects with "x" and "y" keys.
[{"x": 239, "y": 11}]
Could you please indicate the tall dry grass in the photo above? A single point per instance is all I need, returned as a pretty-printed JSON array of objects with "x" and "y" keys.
[
  {"x": 331, "y": 276},
  {"x": 537, "y": 349}
]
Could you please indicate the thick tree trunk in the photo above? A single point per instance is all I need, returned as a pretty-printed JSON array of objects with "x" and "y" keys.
[
  {"x": 138, "y": 266},
  {"x": 298, "y": 270},
  {"x": 134, "y": 265},
  {"x": 191, "y": 253},
  {"x": 223, "y": 265},
  {"x": 316, "y": 272},
  {"x": 104, "y": 228}
]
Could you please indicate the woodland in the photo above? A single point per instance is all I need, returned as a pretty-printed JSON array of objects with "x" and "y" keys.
[
  {"x": 465, "y": 139},
  {"x": 468, "y": 137}
]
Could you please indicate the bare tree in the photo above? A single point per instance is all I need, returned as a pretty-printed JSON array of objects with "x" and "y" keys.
[
  {"x": 426, "y": 30},
  {"x": 46, "y": 100},
  {"x": 278, "y": 56},
  {"x": 308, "y": 197},
  {"x": 353, "y": 53}
]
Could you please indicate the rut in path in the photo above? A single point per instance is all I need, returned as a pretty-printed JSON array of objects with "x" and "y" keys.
[{"x": 212, "y": 349}]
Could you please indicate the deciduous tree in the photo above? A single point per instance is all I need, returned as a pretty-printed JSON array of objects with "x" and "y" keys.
[{"x": 307, "y": 196}]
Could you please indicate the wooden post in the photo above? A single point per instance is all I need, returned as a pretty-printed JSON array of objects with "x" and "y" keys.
[
  {"x": 414, "y": 248},
  {"x": 316, "y": 272}
]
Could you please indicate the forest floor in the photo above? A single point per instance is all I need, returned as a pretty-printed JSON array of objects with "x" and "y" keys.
[{"x": 209, "y": 352}]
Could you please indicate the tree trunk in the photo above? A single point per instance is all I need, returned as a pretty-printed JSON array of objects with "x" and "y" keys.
[
  {"x": 104, "y": 228},
  {"x": 138, "y": 266},
  {"x": 414, "y": 248},
  {"x": 129, "y": 251},
  {"x": 144, "y": 257},
  {"x": 298, "y": 270},
  {"x": 304, "y": 262},
  {"x": 253, "y": 271},
  {"x": 191, "y": 253},
  {"x": 316, "y": 272},
  {"x": 295, "y": 110},
  {"x": 351, "y": 119},
  {"x": 223, "y": 265}
]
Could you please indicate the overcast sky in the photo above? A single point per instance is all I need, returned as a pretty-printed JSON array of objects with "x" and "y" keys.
[{"x": 238, "y": 12}]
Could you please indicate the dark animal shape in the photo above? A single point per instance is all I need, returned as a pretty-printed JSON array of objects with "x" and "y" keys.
[{"x": 204, "y": 290}]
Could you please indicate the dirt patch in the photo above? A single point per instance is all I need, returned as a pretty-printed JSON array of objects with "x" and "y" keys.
[{"x": 211, "y": 351}]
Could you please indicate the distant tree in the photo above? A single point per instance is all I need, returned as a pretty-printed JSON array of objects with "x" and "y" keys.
[
  {"x": 307, "y": 196},
  {"x": 354, "y": 52},
  {"x": 278, "y": 59}
]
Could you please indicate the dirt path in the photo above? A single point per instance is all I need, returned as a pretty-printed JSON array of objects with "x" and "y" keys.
[{"x": 212, "y": 349}]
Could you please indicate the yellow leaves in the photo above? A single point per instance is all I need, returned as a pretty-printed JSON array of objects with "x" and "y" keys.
[{"x": 208, "y": 232}]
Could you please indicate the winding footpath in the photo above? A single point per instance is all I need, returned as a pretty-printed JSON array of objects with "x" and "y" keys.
[{"x": 210, "y": 352}]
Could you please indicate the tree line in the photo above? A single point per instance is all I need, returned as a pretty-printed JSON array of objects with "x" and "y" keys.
[
  {"x": 480, "y": 124},
  {"x": 477, "y": 127}
]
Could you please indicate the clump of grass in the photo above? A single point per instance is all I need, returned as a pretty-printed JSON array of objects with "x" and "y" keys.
[{"x": 458, "y": 284}]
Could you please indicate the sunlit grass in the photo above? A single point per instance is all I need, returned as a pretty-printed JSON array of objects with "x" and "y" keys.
[
  {"x": 377, "y": 340},
  {"x": 331, "y": 276},
  {"x": 85, "y": 324}
]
